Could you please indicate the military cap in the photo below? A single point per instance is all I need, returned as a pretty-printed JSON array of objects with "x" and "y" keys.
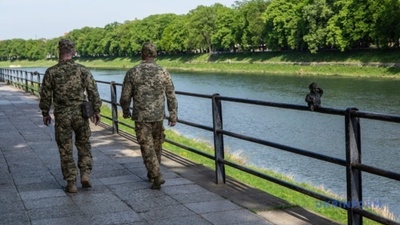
[
  {"x": 65, "y": 45},
  {"x": 149, "y": 49}
]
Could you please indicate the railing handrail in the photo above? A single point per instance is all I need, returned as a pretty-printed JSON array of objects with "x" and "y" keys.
[{"x": 352, "y": 163}]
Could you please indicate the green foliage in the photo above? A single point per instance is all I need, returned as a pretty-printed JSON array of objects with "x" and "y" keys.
[
  {"x": 226, "y": 26},
  {"x": 202, "y": 26},
  {"x": 282, "y": 31},
  {"x": 254, "y": 30},
  {"x": 249, "y": 25},
  {"x": 316, "y": 16},
  {"x": 175, "y": 36}
]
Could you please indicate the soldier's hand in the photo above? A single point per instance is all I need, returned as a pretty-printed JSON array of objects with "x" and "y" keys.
[
  {"x": 171, "y": 123},
  {"x": 95, "y": 118},
  {"x": 47, "y": 120}
]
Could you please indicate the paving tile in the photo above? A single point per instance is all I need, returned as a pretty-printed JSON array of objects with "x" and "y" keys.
[
  {"x": 62, "y": 221},
  {"x": 48, "y": 202},
  {"x": 140, "y": 204},
  {"x": 94, "y": 198},
  {"x": 212, "y": 206},
  {"x": 183, "y": 189},
  {"x": 111, "y": 173},
  {"x": 125, "y": 217},
  {"x": 196, "y": 197},
  {"x": 239, "y": 216},
  {"x": 166, "y": 212},
  {"x": 38, "y": 186},
  {"x": 18, "y": 217},
  {"x": 104, "y": 207},
  {"x": 107, "y": 166},
  {"x": 176, "y": 181},
  {"x": 5, "y": 176},
  {"x": 137, "y": 169},
  {"x": 9, "y": 207},
  {"x": 128, "y": 193},
  {"x": 120, "y": 179},
  {"x": 54, "y": 212},
  {"x": 31, "y": 195},
  {"x": 23, "y": 180},
  {"x": 192, "y": 220}
]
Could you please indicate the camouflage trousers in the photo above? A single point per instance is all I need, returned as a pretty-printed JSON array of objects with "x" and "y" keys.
[
  {"x": 66, "y": 125},
  {"x": 150, "y": 136}
]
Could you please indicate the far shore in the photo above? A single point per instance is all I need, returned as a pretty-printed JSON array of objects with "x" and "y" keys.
[{"x": 266, "y": 63}]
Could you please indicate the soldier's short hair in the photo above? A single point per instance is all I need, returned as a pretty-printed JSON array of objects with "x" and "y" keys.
[
  {"x": 65, "y": 46},
  {"x": 149, "y": 49}
]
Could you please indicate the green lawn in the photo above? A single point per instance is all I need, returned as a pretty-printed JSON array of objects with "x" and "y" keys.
[{"x": 367, "y": 63}]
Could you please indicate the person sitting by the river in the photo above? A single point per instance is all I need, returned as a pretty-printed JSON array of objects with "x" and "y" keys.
[{"x": 313, "y": 98}]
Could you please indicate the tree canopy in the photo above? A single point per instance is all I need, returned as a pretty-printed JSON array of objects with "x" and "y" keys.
[{"x": 248, "y": 25}]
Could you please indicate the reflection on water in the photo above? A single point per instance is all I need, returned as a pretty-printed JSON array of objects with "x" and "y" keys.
[{"x": 310, "y": 131}]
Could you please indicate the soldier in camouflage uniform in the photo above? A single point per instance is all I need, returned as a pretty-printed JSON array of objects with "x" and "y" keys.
[
  {"x": 148, "y": 84},
  {"x": 63, "y": 86}
]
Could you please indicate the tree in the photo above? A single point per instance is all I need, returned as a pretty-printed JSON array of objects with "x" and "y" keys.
[
  {"x": 121, "y": 43},
  {"x": 385, "y": 30},
  {"x": 150, "y": 29},
  {"x": 226, "y": 26},
  {"x": 5, "y": 49},
  {"x": 35, "y": 49},
  {"x": 316, "y": 16},
  {"x": 351, "y": 25},
  {"x": 283, "y": 24},
  {"x": 107, "y": 41},
  {"x": 247, "y": 25},
  {"x": 16, "y": 49},
  {"x": 202, "y": 22},
  {"x": 254, "y": 30},
  {"x": 175, "y": 36},
  {"x": 51, "y": 48}
]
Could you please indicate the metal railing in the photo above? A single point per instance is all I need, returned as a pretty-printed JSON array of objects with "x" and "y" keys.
[{"x": 352, "y": 163}]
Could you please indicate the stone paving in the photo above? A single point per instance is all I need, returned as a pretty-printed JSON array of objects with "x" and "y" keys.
[{"x": 31, "y": 184}]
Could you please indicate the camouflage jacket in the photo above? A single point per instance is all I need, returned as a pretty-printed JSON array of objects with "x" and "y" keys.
[
  {"x": 148, "y": 84},
  {"x": 64, "y": 85}
]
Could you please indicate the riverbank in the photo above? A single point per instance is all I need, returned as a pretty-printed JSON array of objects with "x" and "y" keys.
[{"x": 368, "y": 63}]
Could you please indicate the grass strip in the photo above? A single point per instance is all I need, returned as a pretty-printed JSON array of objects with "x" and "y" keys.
[{"x": 368, "y": 63}]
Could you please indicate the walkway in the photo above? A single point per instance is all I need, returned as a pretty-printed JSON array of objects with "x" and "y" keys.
[{"x": 31, "y": 182}]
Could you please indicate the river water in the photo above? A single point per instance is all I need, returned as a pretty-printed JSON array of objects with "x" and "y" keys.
[{"x": 311, "y": 131}]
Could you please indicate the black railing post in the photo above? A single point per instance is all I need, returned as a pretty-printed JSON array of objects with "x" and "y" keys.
[
  {"x": 19, "y": 78},
  {"x": 26, "y": 82},
  {"x": 353, "y": 155},
  {"x": 32, "y": 84},
  {"x": 15, "y": 78},
  {"x": 218, "y": 139},
  {"x": 12, "y": 77},
  {"x": 114, "y": 108},
  {"x": 38, "y": 81},
  {"x": 18, "y": 83},
  {"x": 8, "y": 77}
]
